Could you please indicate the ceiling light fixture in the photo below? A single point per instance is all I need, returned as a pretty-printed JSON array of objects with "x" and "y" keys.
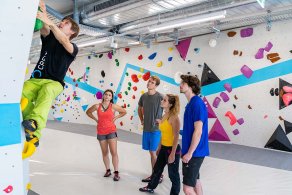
[
  {"x": 93, "y": 42},
  {"x": 262, "y": 3},
  {"x": 134, "y": 43},
  {"x": 188, "y": 21}
]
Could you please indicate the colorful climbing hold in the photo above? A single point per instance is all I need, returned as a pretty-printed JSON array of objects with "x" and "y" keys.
[
  {"x": 134, "y": 78},
  {"x": 110, "y": 55},
  {"x": 197, "y": 50},
  {"x": 146, "y": 76},
  {"x": 159, "y": 64},
  {"x": 152, "y": 56},
  {"x": 231, "y": 116},
  {"x": 246, "y": 71},
  {"x": 102, "y": 73},
  {"x": 98, "y": 95},
  {"x": 231, "y": 33},
  {"x": 140, "y": 57},
  {"x": 8, "y": 189},
  {"x": 246, "y": 32}
]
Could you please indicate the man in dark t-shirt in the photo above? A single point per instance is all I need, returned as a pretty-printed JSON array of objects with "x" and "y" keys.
[
  {"x": 46, "y": 81},
  {"x": 149, "y": 111}
]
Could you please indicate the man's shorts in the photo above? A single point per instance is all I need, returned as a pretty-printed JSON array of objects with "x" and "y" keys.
[
  {"x": 151, "y": 140},
  {"x": 107, "y": 136},
  {"x": 191, "y": 170}
]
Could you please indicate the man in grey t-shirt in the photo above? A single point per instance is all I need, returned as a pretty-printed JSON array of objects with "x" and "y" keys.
[{"x": 149, "y": 111}]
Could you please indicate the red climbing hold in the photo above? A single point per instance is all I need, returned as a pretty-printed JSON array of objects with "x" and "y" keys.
[
  {"x": 134, "y": 78},
  {"x": 146, "y": 76},
  {"x": 140, "y": 57}
]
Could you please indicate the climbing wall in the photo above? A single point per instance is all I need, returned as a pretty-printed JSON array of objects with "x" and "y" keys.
[
  {"x": 246, "y": 83},
  {"x": 17, "y": 19}
]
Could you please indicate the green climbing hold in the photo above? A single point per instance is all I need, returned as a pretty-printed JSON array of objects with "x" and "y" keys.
[{"x": 38, "y": 23}]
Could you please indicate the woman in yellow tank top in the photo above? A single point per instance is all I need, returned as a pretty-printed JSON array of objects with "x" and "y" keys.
[{"x": 169, "y": 150}]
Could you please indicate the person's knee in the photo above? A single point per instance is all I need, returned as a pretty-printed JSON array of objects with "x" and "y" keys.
[
  {"x": 173, "y": 176},
  {"x": 104, "y": 153},
  {"x": 152, "y": 153},
  {"x": 48, "y": 89},
  {"x": 114, "y": 154},
  {"x": 188, "y": 190}
]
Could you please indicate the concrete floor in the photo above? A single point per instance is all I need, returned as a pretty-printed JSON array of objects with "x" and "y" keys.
[{"x": 69, "y": 163}]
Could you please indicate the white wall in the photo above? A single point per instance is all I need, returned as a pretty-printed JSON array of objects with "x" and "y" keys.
[
  {"x": 256, "y": 129},
  {"x": 17, "y": 20}
]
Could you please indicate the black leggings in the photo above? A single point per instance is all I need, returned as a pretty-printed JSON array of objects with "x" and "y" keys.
[{"x": 161, "y": 162}]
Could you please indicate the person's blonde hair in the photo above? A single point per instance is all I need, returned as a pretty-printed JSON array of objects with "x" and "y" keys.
[{"x": 175, "y": 105}]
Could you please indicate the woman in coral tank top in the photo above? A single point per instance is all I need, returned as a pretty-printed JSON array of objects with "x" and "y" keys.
[{"x": 106, "y": 129}]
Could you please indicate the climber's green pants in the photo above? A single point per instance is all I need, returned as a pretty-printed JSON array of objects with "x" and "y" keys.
[{"x": 40, "y": 94}]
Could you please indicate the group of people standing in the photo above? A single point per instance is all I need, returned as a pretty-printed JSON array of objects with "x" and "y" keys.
[
  {"x": 160, "y": 131},
  {"x": 159, "y": 116}
]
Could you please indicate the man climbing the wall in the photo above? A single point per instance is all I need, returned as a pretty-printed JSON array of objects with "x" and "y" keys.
[
  {"x": 149, "y": 111},
  {"x": 46, "y": 81}
]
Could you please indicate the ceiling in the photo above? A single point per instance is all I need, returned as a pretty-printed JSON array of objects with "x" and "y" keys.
[{"x": 128, "y": 21}]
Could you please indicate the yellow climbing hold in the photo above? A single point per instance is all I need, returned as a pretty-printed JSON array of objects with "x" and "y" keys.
[
  {"x": 170, "y": 49},
  {"x": 139, "y": 76},
  {"x": 28, "y": 186},
  {"x": 159, "y": 64},
  {"x": 142, "y": 70},
  {"x": 26, "y": 71},
  {"x": 23, "y": 103},
  {"x": 62, "y": 111},
  {"x": 28, "y": 150},
  {"x": 142, "y": 92}
]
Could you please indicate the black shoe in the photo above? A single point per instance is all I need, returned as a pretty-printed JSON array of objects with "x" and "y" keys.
[
  {"x": 107, "y": 173},
  {"x": 30, "y": 125},
  {"x": 116, "y": 176},
  {"x": 148, "y": 179},
  {"x": 32, "y": 139},
  {"x": 146, "y": 189}
]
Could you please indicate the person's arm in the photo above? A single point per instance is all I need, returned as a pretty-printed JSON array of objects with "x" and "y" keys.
[
  {"x": 140, "y": 113},
  {"x": 122, "y": 111},
  {"x": 158, "y": 121},
  {"x": 91, "y": 110},
  {"x": 60, "y": 36},
  {"x": 45, "y": 31},
  {"x": 198, "y": 125},
  {"x": 175, "y": 123}
]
